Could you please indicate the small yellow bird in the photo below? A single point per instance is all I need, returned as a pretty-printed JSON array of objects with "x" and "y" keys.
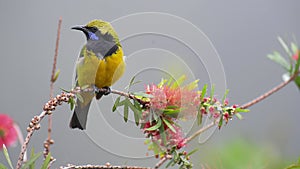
[{"x": 100, "y": 64}]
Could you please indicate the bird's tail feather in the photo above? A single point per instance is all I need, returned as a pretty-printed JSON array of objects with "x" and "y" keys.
[{"x": 79, "y": 117}]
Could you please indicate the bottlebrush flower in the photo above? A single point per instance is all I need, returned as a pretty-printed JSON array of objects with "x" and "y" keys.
[
  {"x": 8, "y": 133},
  {"x": 296, "y": 55},
  {"x": 177, "y": 97}
]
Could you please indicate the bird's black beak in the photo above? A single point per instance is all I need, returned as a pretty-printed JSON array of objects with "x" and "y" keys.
[{"x": 81, "y": 28}]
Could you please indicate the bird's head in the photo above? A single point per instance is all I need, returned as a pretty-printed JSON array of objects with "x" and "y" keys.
[{"x": 97, "y": 30}]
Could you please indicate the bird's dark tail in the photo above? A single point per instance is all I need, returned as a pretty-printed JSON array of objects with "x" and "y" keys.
[{"x": 79, "y": 117}]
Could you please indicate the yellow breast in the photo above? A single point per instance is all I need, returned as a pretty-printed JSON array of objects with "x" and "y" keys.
[{"x": 100, "y": 72}]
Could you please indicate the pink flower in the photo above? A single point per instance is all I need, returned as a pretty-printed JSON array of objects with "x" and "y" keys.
[
  {"x": 296, "y": 55},
  {"x": 179, "y": 97},
  {"x": 8, "y": 134}
]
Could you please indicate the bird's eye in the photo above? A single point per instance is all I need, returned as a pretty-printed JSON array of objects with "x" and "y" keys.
[{"x": 93, "y": 29}]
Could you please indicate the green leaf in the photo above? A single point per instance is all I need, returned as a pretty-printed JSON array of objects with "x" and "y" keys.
[
  {"x": 132, "y": 82},
  {"x": 170, "y": 162},
  {"x": 156, "y": 126},
  {"x": 294, "y": 48},
  {"x": 192, "y": 85},
  {"x": 136, "y": 112},
  {"x": 276, "y": 57},
  {"x": 178, "y": 82},
  {"x": 192, "y": 152},
  {"x": 72, "y": 103},
  {"x": 203, "y": 92},
  {"x": 114, "y": 108},
  {"x": 297, "y": 81},
  {"x": 31, "y": 166},
  {"x": 142, "y": 94},
  {"x": 126, "y": 110},
  {"x": 240, "y": 110},
  {"x": 79, "y": 97},
  {"x": 285, "y": 46},
  {"x": 65, "y": 90},
  {"x": 163, "y": 134},
  {"x": 224, "y": 97},
  {"x": 239, "y": 116},
  {"x": 297, "y": 65},
  {"x": 171, "y": 112},
  {"x": 2, "y": 166},
  {"x": 169, "y": 125},
  {"x": 161, "y": 83},
  {"x": 46, "y": 161},
  {"x": 5, "y": 152},
  {"x": 31, "y": 160},
  {"x": 55, "y": 76},
  {"x": 199, "y": 116},
  {"x": 212, "y": 92},
  {"x": 221, "y": 121}
]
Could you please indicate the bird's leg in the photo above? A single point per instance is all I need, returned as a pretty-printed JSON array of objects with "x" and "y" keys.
[
  {"x": 100, "y": 92},
  {"x": 107, "y": 90}
]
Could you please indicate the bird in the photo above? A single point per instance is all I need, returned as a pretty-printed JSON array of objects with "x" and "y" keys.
[{"x": 100, "y": 64}]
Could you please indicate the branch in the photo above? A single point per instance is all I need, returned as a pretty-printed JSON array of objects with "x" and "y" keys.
[
  {"x": 270, "y": 92},
  {"x": 35, "y": 122},
  {"x": 106, "y": 166},
  {"x": 50, "y": 141},
  {"x": 162, "y": 161},
  {"x": 200, "y": 131}
]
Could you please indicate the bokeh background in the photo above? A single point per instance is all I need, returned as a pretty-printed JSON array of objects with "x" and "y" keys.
[{"x": 242, "y": 33}]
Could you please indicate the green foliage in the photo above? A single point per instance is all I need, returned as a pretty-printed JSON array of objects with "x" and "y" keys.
[
  {"x": 294, "y": 166},
  {"x": 277, "y": 58},
  {"x": 2, "y": 166},
  {"x": 5, "y": 152},
  {"x": 293, "y": 67},
  {"x": 238, "y": 154},
  {"x": 180, "y": 158},
  {"x": 46, "y": 161},
  {"x": 31, "y": 161},
  {"x": 55, "y": 76}
]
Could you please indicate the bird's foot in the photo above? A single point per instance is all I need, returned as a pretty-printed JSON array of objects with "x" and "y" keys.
[{"x": 102, "y": 91}]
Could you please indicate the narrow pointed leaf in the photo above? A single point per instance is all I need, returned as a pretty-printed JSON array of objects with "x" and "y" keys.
[
  {"x": 126, "y": 110},
  {"x": 297, "y": 81},
  {"x": 239, "y": 110},
  {"x": 142, "y": 94},
  {"x": 224, "y": 97},
  {"x": 221, "y": 121},
  {"x": 31, "y": 160},
  {"x": 199, "y": 116},
  {"x": 5, "y": 152},
  {"x": 276, "y": 57},
  {"x": 239, "y": 116},
  {"x": 163, "y": 134},
  {"x": 203, "y": 92},
  {"x": 178, "y": 82},
  {"x": 55, "y": 76},
  {"x": 31, "y": 166},
  {"x": 114, "y": 108},
  {"x": 169, "y": 125},
  {"x": 136, "y": 112},
  {"x": 192, "y": 85},
  {"x": 285, "y": 46},
  {"x": 156, "y": 126},
  {"x": 161, "y": 83},
  {"x": 192, "y": 152},
  {"x": 46, "y": 161},
  {"x": 212, "y": 92},
  {"x": 79, "y": 97},
  {"x": 294, "y": 48}
]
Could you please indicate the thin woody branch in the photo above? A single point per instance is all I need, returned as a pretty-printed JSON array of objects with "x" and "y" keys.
[
  {"x": 270, "y": 92},
  {"x": 50, "y": 141}
]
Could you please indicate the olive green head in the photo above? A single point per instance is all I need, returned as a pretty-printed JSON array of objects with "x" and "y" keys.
[{"x": 101, "y": 26}]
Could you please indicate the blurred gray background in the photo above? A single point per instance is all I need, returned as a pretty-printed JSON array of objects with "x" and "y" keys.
[{"x": 242, "y": 33}]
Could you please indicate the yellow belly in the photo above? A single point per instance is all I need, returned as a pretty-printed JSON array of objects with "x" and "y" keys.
[{"x": 100, "y": 72}]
